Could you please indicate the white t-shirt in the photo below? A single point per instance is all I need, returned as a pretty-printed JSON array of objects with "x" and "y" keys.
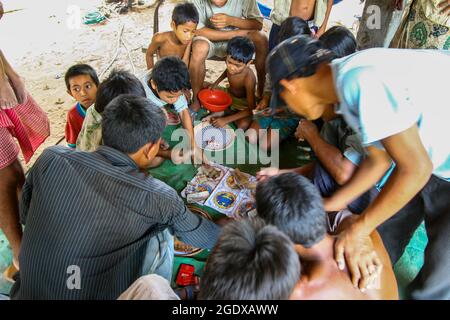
[{"x": 383, "y": 92}]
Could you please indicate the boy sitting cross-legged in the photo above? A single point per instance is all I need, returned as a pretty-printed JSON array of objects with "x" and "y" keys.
[
  {"x": 242, "y": 81},
  {"x": 177, "y": 42}
]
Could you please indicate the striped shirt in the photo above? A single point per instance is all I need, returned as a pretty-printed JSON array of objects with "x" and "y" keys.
[{"x": 91, "y": 215}]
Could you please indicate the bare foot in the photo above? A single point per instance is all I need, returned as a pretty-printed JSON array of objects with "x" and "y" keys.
[{"x": 8, "y": 98}]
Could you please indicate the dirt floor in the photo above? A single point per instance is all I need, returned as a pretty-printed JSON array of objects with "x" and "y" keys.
[{"x": 39, "y": 39}]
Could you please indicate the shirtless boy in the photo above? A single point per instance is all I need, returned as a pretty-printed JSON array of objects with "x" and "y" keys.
[
  {"x": 242, "y": 82},
  {"x": 177, "y": 42}
]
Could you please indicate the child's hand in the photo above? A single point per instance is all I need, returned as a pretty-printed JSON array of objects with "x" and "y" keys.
[
  {"x": 164, "y": 145},
  {"x": 218, "y": 122},
  {"x": 266, "y": 173},
  {"x": 264, "y": 103}
]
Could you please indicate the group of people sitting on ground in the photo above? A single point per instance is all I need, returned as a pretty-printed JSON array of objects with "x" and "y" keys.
[{"x": 98, "y": 226}]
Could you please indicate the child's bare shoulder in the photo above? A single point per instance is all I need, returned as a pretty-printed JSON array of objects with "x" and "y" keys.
[
  {"x": 161, "y": 36},
  {"x": 249, "y": 78}
]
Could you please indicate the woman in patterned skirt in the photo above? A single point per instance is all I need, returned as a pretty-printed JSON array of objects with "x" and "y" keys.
[{"x": 23, "y": 120}]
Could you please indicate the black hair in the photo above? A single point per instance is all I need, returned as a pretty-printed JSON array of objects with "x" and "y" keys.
[
  {"x": 170, "y": 74},
  {"x": 241, "y": 49},
  {"x": 293, "y": 26},
  {"x": 80, "y": 70},
  {"x": 119, "y": 82},
  {"x": 130, "y": 122},
  {"x": 185, "y": 12},
  {"x": 340, "y": 40},
  {"x": 293, "y": 204},
  {"x": 251, "y": 261}
]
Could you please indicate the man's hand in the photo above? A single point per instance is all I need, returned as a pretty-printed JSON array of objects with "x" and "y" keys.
[
  {"x": 320, "y": 32},
  {"x": 219, "y": 122},
  {"x": 306, "y": 129},
  {"x": 444, "y": 5},
  {"x": 354, "y": 248},
  {"x": 221, "y": 20},
  {"x": 266, "y": 173}
]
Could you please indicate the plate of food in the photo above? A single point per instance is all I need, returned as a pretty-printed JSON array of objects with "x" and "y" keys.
[{"x": 210, "y": 138}]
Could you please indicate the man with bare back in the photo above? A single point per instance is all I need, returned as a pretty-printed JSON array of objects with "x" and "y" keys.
[{"x": 293, "y": 204}]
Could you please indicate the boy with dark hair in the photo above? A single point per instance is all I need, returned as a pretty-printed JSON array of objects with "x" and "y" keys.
[
  {"x": 177, "y": 42},
  {"x": 384, "y": 99},
  {"x": 251, "y": 261},
  {"x": 164, "y": 86},
  {"x": 242, "y": 80},
  {"x": 100, "y": 215},
  {"x": 118, "y": 82},
  {"x": 292, "y": 203},
  {"x": 81, "y": 82}
]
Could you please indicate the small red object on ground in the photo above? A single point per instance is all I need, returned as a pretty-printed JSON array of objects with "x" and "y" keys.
[{"x": 185, "y": 276}]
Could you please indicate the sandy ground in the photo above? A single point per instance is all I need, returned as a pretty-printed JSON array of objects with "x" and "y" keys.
[
  {"x": 40, "y": 43},
  {"x": 41, "y": 46}
]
